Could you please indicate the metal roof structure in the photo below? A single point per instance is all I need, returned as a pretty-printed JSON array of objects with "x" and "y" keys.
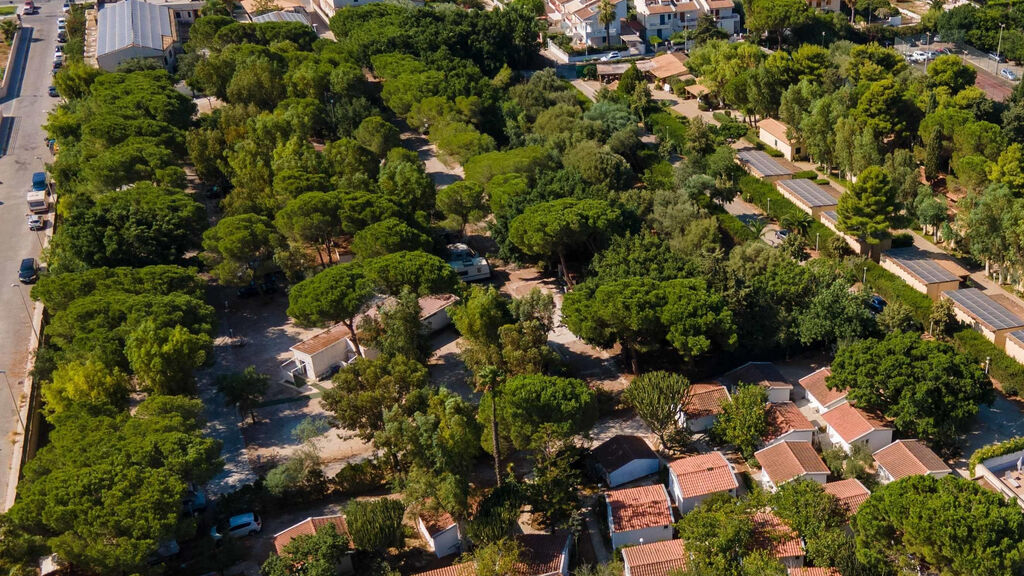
[
  {"x": 282, "y": 16},
  {"x": 921, "y": 264},
  {"x": 984, "y": 308},
  {"x": 132, "y": 23},
  {"x": 811, "y": 194},
  {"x": 831, "y": 215},
  {"x": 1017, "y": 335},
  {"x": 762, "y": 162}
]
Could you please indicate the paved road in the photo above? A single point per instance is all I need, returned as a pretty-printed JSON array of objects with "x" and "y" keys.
[{"x": 24, "y": 112}]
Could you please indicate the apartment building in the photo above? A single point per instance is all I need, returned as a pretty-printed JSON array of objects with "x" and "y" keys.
[{"x": 580, "y": 20}]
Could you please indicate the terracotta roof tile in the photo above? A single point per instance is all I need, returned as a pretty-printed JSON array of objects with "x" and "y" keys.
[
  {"x": 850, "y": 493},
  {"x": 322, "y": 340},
  {"x": 772, "y": 534},
  {"x": 775, "y": 128},
  {"x": 814, "y": 572},
  {"x": 785, "y": 461},
  {"x": 655, "y": 559},
  {"x": 814, "y": 384},
  {"x": 760, "y": 373},
  {"x": 669, "y": 64},
  {"x": 703, "y": 474},
  {"x": 309, "y": 526},
  {"x": 851, "y": 423},
  {"x": 705, "y": 400},
  {"x": 639, "y": 508},
  {"x": 464, "y": 569},
  {"x": 620, "y": 450},
  {"x": 785, "y": 417},
  {"x": 720, "y": 4},
  {"x": 905, "y": 458},
  {"x": 542, "y": 554}
]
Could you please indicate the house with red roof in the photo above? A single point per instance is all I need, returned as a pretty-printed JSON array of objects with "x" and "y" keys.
[
  {"x": 819, "y": 395},
  {"x": 850, "y": 493},
  {"x": 440, "y": 531},
  {"x": 641, "y": 514},
  {"x": 787, "y": 461},
  {"x": 816, "y": 571},
  {"x": 311, "y": 526},
  {"x": 623, "y": 458},
  {"x": 905, "y": 458},
  {"x": 702, "y": 406},
  {"x": 787, "y": 424},
  {"x": 775, "y": 536},
  {"x": 655, "y": 559},
  {"x": 692, "y": 479},
  {"x": 464, "y": 569},
  {"x": 847, "y": 426}
]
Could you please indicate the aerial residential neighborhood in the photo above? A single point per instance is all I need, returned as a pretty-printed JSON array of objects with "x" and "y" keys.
[{"x": 512, "y": 288}]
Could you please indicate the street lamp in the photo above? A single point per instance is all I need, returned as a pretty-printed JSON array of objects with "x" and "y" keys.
[
  {"x": 999, "y": 47},
  {"x": 864, "y": 277},
  {"x": 13, "y": 401},
  {"x": 28, "y": 313}
]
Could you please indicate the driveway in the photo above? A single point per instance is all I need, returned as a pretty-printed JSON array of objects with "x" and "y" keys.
[
  {"x": 1003, "y": 420},
  {"x": 440, "y": 172},
  {"x": 25, "y": 151}
]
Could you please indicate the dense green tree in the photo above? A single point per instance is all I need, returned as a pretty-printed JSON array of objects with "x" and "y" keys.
[
  {"x": 420, "y": 272},
  {"x": 775, "y": 16},
  {"x": 317, "y": 554},
  {"x": 717, "y": 534},
  {"x": 163, "y": 358},
  {"x": 338, "y": 294},
  {"x": 497, "y": 515},
  {"x": 375, "y": 525},
  {"x": 463, "y": 203},
  {"x": 364, "y": 389},
  {"x": 498, "y": 557},
  {"x": 311, "y": 220},
  {"x": 387, "y": 237},
  {"x": 530, "y": 404},
  {"x": 377, "y": 135},
  {"x": 397, "y": 329},
  {"x": 835, "y": 316},
  {"x": 867, "y": 210},
  {"x": 808, "y": 509},
  {"x": 239, "y": 248},
  {"x": 88, "y": 385},
  {"x": 743, "y": 422},
  {"x": 243, "y": 390},
  {"x": 896, "y": 374},
  {"x": 554, "y": 490},
  {"x": 950, "y": 71},
  {"x": 658, "y": 398}
]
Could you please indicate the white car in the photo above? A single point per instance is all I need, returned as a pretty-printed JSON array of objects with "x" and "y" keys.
[
  {"x": 35, "y": 222},
  {"x": 238, "y": 527},
  {"x": 66, "y": 7},
  {"x": 1008, "y": 74},
  {"x": 918, "y": 56},
  {"x": 609, "y": 56}
]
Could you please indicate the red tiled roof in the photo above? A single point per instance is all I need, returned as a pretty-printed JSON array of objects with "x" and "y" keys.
[
  {"x": 785, "y": 417},
  {"x": 719, "y": 4},
  {"x": 772, "y": 534},
  {"x": 322, "y": 340},
  {"x": 639, "y": 508},
  {"x": 309, "y": 526},
  {"x": 905, "y": 458},
  {"x": 703, "y": 474},
  {"x": 655, "y": 559},
  {"x": 814, "y": 384},
  {"x": 620, "y": 450},
  {"x": 436, "y": 522},
  {"x": 850, "y": 493},
  {"x": 851, "y": 423},
  {"x": 814, "y": 572},
  {"x": 775, "y": 128},
  {"x": 705, "y": 400},
  {"x": 669, "y": 64},
  {"x": 542, "y": 554},
  {"x": 785, "y": 461},
  {"x": 464, "y": 569}
]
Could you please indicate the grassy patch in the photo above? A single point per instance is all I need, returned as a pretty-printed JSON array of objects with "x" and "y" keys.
[
  {"x": 668, "y": 126},
  {"x": 760, "y": 192},
  {"x": 8, "y": 10}
]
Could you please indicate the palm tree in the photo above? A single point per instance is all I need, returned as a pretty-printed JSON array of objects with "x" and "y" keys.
[
  {"x": 488, "y": 380},
  {"x": 757, "y": 226},
  {"x": 798, "y": 222},
  {"x": 606, "y": 15}
]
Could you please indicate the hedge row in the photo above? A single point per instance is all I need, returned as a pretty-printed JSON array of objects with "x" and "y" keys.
[
  {"x": 891, "y": 287},
  {"x": 737, "y": 231},
  {"x": 993, "y": 450},
  {"x": 1006, "y": 370}
]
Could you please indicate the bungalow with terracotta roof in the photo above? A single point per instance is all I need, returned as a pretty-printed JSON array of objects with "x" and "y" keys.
[
  {"x": 850, "y": 493},
  {"x": 636, "y": 515},
  {"x": 787, "y": 424},
  {"x": 819, "y": 395},
  {"x": 543, "y": 555},
  {"x": 787, "y": 461},
  {"x": 905, "y": 458},
  {"x": 464, "y": 569},
  {"x": 311, "y": 526},
  {"x": 775, "y": 536},
  {"x": 655, "y": 559},
  {"x": 816, "y": 571},
  {"x": 702, "y": 406},
  {"x": 776, "y": 134},
  {"x": 764, "y": 374},
  {"x": 440, "y": 531},
  {"x": 622, "y": 459},
  {"x": 846, "y": 426},
  {"x": 317, "y": 356},
  {"x": 692, "y": 479}
]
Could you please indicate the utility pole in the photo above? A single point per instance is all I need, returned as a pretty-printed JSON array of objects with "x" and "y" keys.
[
  {"x": 13, "y": 401},
  {"x": 999, "y": 48}
]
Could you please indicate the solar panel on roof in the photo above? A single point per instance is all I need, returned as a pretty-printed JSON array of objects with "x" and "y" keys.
[
  {"x": 920, "y": 264},
  {"x": 831, "y": 216},
  {"x": 1017, "y": 335},
  {"x": 987, "y": 310},
  {"x": 809, "y": 193},
  {"x": 763, "y": 163}
]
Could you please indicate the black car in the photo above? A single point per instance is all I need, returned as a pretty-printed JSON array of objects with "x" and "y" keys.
[
  {"x": 62, "y": 36},
  {"x": 29, "y": 272},
  {"x": 876, "y": 304},
  {"x": 53, "y": 92}
]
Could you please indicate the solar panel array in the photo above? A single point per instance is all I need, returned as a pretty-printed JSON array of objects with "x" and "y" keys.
[
  {"x": 920, "y": 264},
  {"x": 1017, "y": 335},
  {"x": 763, "y": 163},
  {"x": 809, "y": 193},
  {"x": 830, "y": 215},
  {"x": 985, "y": 309}
]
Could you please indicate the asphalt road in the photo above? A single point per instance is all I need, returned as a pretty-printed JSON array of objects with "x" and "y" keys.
[{"x": 25, "y": 151}]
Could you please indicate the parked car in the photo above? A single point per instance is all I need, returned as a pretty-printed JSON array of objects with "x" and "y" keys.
[
  {"x": 30, "y": 7},
  {"x": 996, "y": 57},
  {"x": 782, "y": 233},
  {"x": 609, "y": 56},
  {"x": 194, "y": 502},
  {"x": 35, "y": 222},
  {"x": 66, "y": 8},
  {"x": 876, "y": 304},
  {"x": 237, "y": 527},
  {"x": 29, "y": 271},
  {"x": 53, "y": 92},
  {"x": 918, "y": 56},
  {"x": 1009, "y": 74},
  {"x": 62, "y": 36},
  {"x": 164, "y": 552},
  {"x": 931, "y": 54},
  {"x": 912, "y": 44}
]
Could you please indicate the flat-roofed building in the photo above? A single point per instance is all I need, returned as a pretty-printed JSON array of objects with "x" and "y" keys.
[
  {"x": 1003, "y": 474},
  {"x": 808, "y": 196},
  {"x": 762, "y": 165},
  {"x": 830, "y": 219},
  {"x": 921, "y": 270},
  {"x": 984, "y": 314},
  {"x": 1014, "y": 346}
]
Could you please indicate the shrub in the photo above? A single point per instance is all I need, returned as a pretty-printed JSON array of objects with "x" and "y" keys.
[
  {"x": 809, "y": 174},
  {"x": 892, "y": 288},
  {"x": 668, "y": 127},
  {"x": 1002, "y": 368},
  {"x": 822, "y": 181},
  {"x": 360, "y": 477},
  {"x": 758, "y": 191},
  {"x": 993, "y": 450},
  {"x": 773, "y": 152},
  {"x": 589, "y": 72},
  {"x": 737, "y": 231},
  {"x": 902, "y": 240}
]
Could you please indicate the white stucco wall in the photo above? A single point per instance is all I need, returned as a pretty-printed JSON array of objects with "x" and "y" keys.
[
  {"x": 647, "y": 535},
  {"x": 793, "y": 436},
  {"x": 633, "y": 470}
]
